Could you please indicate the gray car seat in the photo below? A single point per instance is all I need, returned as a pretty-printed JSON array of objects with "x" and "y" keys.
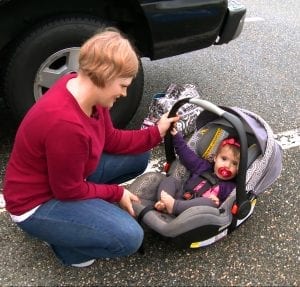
[{"x": 203, "y": 225}]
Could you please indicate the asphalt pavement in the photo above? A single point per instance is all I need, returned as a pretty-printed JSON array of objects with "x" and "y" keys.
[{"x": 259, "y": 71}]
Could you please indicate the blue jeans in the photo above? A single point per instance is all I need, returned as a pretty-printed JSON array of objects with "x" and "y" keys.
[{"x": 82, "y": 230}]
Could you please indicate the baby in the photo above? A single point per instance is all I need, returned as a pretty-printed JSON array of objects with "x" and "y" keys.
[{"x": 208, "y": 184}]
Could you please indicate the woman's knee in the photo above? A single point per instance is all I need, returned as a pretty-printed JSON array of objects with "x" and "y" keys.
[
  {"x": 130, "y": 238},
  {"x": 141, "y": 162}
]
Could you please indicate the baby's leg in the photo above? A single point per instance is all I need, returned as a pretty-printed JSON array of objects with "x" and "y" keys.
[
  {"x": 169, "y": 185},
  {"x": 168, "y": 201}
]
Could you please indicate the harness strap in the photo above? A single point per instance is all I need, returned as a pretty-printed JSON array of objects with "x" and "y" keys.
[
  {"x": 210, "y": 177},
  {"x": 143, "y": 212},
  {"x": 197, "y": 190}
]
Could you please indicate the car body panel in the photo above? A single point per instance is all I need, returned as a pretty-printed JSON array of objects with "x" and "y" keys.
[
  {"x": 35, "y": 39},
  {"x": 182, "y": 26},
  {"x": 160, "y": 28}
]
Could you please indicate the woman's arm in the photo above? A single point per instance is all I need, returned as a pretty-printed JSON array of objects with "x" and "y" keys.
[
  {"x": 134, "y": 141},
  {"x": 69, "y": 162}
]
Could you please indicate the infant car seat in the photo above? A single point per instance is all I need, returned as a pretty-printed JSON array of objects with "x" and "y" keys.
[{"x": 260, "y": 165}]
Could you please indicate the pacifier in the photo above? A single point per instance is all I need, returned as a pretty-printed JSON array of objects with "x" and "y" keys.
[{"x": 224, "y": 172}]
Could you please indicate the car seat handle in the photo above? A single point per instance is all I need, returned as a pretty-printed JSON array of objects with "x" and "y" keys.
[
  {"x": 168, "y": 139},
  {"x": 208, "y": 106}
]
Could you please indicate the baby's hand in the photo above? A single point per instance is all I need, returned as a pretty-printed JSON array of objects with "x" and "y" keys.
[
  {"x": 174, "y": 130},
  {"x": 215, "y": 199}
]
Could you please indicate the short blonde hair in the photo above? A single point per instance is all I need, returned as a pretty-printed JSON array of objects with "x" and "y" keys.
[{"x": 106, "y": 56}]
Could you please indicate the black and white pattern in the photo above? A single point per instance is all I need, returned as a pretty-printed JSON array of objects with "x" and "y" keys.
[
  {"x": 261, "y": 174},
  {"x": 163, "y": 102}
]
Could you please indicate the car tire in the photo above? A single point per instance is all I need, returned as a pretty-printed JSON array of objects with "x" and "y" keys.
[{"x": 52, "y": 47}]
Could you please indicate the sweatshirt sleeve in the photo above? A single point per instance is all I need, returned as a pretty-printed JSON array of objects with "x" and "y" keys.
[
  {"x": 129, "y": 141},
  {"x": 194, "y": 163},
  {"x": 67, "y": 152}
]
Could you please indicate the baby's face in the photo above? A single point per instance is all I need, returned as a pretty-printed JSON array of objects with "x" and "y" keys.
[{"x": 226, "y": 164}]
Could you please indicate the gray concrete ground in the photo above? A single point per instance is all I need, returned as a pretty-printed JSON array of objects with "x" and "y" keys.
[
  {"x": 260, "y": 72},
  {"x": 264, "y": 251}
]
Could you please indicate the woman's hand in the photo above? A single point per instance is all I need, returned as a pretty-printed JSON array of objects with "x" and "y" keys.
[
  {"x": 126, "y": 201},
  {"x": 164, "y": 123}
]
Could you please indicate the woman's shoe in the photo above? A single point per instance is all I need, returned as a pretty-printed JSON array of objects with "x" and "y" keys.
[{"x": 84, "y": 264}]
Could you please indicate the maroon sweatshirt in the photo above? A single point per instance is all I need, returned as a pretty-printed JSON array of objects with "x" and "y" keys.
[{"x": 57, "y": 146}]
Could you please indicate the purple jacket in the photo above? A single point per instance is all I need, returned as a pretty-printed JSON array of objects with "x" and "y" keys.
[{"x": 197, "y": 165}]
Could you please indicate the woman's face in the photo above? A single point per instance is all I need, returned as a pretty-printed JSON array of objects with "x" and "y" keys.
[
  {"x": 114, "y": 89},
  {"x": 226, "y": 164}
]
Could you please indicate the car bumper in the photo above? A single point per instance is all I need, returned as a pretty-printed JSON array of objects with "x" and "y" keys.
[{"x": 233, "y": 23}]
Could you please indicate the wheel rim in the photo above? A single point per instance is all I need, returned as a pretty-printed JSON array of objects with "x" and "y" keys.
[{"x": 58, "y": 64}]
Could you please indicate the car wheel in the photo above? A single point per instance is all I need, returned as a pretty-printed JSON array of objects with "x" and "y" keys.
[{"x": 51, "y": 51}]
